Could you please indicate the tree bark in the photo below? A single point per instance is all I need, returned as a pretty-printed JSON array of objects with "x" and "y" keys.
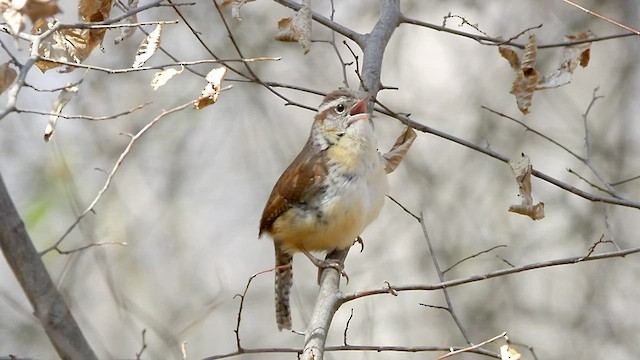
[{"x": 48, "y": 304}]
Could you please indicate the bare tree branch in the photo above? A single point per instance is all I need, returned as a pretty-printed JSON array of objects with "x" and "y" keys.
[{"x": 48, "y": 304}]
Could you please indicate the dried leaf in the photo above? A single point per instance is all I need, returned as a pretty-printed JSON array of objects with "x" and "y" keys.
[
  {"x": 7, "y": 76},
  {"x": 235, "y": 7},
  {"x": 211, "y": 92},
  {"x": 63, "y": 98},
  {"x": 148, "y": 47},
  {"x": 161, "y": 77},
  {"x": 393, "y": 158},
  {"x": 522, "y": 170},
  {"x": 94, "y": 10},
  {"x": 511, "y": 56},
  {"x": 297, "y": 28},
  {"x": 509, "y": 353},
  {"x": 527, "y": 77},
  {"x": 70, "y": 45},
  {"x": 12, "y": 17},
  {"x": 128, "y": 31},
  {"x": 39, "y": 9},
  {"x": 572, "y": 56}
]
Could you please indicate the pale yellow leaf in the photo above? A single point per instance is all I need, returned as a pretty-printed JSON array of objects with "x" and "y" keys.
[
  {"x": 235, "y": 8},
  {"x": 216, "y": 75},
  {"x": 522, "y": 169},
  {"x": 63, "y": 98},
  {"x": 148, "y": 47},
  {"x": 127, "y": 32},
  {"x": 509, "y": 353},
  {"x": 297, "y": 28},
  {"x": 211, "y": 91},
  {"x": 572, "y": 56},
  {"x": 7, "y": 76},
  {"x": 393, "y": 158},
  {"x": 161, "y": 77}
]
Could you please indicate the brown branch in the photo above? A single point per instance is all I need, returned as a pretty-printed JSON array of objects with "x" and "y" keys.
[
  {"x": 48, "y": 304},
  {"x": 603, "y": 17},
  {"x": 493, "y": 274}
]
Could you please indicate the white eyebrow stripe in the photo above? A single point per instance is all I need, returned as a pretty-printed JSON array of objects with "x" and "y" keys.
[{"x": 331, "y": 104}]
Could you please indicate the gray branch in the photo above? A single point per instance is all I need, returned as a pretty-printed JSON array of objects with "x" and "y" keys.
[
  {"x": 330, "y": 297},
  {"x": 48, "y": 304}
]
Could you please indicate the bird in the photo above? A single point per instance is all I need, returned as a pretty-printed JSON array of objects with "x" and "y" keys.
[{"x": 329, "y": 194}]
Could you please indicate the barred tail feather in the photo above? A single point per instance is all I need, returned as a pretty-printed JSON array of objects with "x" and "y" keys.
[{"x": 284, "y": 280}]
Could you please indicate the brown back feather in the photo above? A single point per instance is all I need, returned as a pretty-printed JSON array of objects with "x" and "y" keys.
[{"x": 299, "y": 182}]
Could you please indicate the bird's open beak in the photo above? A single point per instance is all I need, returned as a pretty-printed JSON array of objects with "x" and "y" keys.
[{"x": 360, "y": 107}]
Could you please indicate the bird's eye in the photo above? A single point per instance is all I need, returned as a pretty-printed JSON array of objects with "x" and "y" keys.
[{"x": 339, "y": 108}]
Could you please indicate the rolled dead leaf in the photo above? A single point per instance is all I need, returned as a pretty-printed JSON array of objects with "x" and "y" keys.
[
  {"x": 526, "y": 78},
  {"x": 63, "y": 99},
  {"x": 297, "y": 28},
  {"x": 400, "y": 148},
  {"x": 522, "y": 169}
]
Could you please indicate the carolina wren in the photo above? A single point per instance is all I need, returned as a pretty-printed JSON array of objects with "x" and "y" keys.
[{"x": 332, "y": 190}]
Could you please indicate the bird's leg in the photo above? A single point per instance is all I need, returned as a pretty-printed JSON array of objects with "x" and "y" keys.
[{"x": 323, "y": 264}]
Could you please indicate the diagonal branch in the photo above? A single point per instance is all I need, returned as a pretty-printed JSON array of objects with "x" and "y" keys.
[{"x": 48, "y": 304}]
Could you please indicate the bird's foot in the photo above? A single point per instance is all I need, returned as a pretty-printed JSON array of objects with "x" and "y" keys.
[{"x": 336, "y": 264}]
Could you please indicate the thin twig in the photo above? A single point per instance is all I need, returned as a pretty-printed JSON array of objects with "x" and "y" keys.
[
  {"x": 157, "y": 67},
  {"x": 360, "y": 348},
  {"x": 114, "y": 170},
  {"x": 101, "y": 243},
  {"x": 85, "y": 117},
  {"x": 346, "y": 329},
  {"x": 144, "y": 345},
  {"x": 467, "y": 349},
  {"x": 471, "y": 257},
  {"x": 463, "y": 331},
  {"x": 242, "y": 298},
  {"x": 493, "y": 274},
  {"x": 603, "y": 17},
  {"x": 404, "y": 208}
]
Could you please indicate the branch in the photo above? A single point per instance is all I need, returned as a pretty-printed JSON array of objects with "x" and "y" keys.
[
  {"x": 496, "y": 155},
  {"x": 329, "y": 297},
  {"x": 48, "y": 304},
  {"x": 493, "y": 274},
  {"x": 113, "y": 172}
]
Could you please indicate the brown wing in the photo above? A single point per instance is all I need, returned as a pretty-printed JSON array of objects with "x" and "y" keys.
[{"x": 299, "y": 181}]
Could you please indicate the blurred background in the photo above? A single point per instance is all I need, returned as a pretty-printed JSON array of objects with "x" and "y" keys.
[{"x": 188, "y": 198}]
